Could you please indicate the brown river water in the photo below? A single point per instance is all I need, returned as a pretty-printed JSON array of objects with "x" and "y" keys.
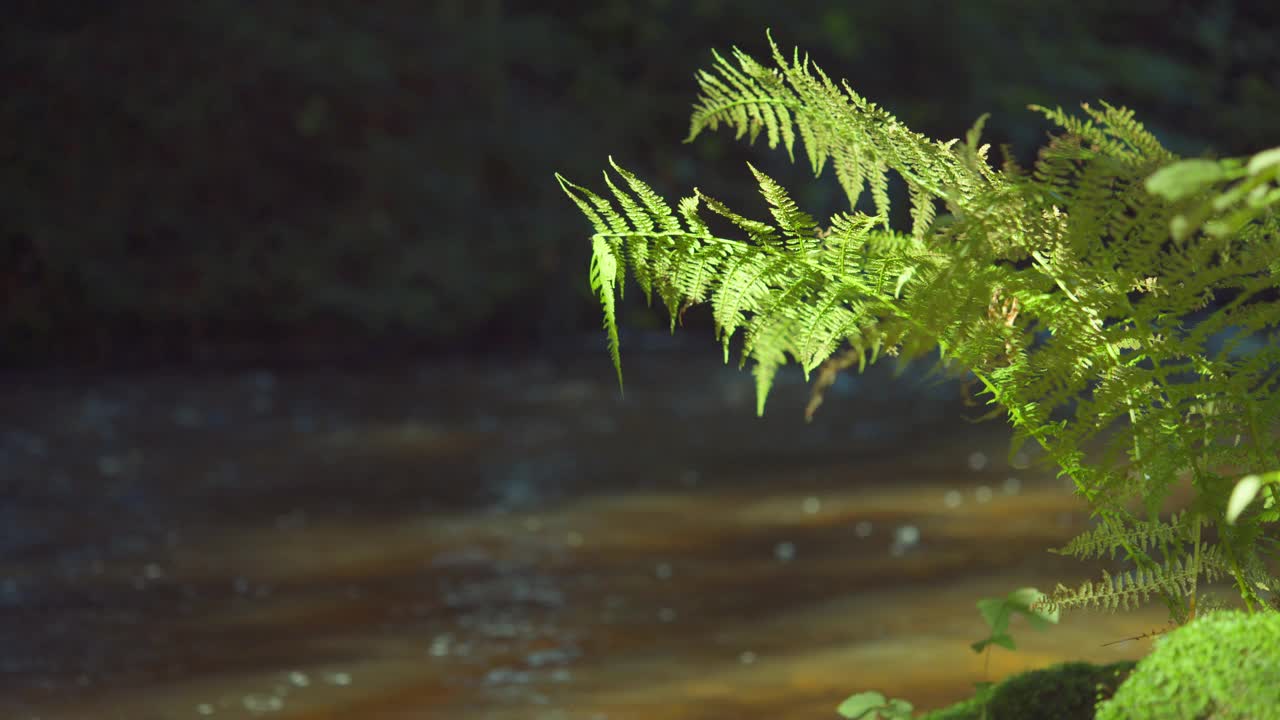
[{"x": 506, "y": 538}]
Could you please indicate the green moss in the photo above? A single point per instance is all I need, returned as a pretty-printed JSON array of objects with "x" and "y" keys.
[
  {"x": 1067, "y": 691},
  {"x": 1223, "y": 665},
  {"x": 969, "y": 709}
]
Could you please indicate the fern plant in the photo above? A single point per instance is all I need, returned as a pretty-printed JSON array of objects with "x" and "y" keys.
[{"x": 1117, "y": 303}]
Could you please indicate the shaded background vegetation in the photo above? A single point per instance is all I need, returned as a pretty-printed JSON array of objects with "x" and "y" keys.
[{"x": 186, "y": 181}]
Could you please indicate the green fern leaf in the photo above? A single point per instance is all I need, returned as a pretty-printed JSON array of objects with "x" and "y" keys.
[
  {"x": 1055, "y": 287},
  {"x": 658, "y": 212},
  {"x": 759, "y": 232},
  {"x": 604, "y": 268},
  {"x": 798, "y": 226}
]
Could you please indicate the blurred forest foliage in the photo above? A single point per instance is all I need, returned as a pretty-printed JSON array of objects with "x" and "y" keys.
[{"x": 180, "y": 177}]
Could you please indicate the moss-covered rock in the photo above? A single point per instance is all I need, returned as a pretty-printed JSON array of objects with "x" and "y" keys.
[
  {"x": 1067, "y": 691},
  {"x": 1225, "y": 665}
]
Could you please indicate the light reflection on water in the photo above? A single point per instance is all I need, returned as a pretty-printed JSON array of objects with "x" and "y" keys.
[{"x": 472, "y": 541}]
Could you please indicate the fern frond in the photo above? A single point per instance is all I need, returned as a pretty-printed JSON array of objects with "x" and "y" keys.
[
  {"x": 797, "y": 226},
  {"x": 604, "y": 219},
  {"x": 760, "y": 233},
  {"x": 1129, "y": 589},
  {"x": 822, "y": 325},
  {"x": 743, "y": 287},
  {"x": 689, "y": 211},
  {"x": 863, "y": 141},
  {"x": 748, "y": 101},
  {"x": 1112, "y": 132},
  {"x": 604, "y": 268},
  {"x": 659, "y": 213},
  {"x": 1057, "y": 288},
  {"x": 1144, "y": 534}
]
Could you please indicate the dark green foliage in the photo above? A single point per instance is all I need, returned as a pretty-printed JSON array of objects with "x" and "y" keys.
[
  {"x": 968, "y": 709},
  {"x": 1068, "y": 691}
]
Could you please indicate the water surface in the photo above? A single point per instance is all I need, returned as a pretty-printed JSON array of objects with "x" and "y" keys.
[{"x": 509, "y": 539}]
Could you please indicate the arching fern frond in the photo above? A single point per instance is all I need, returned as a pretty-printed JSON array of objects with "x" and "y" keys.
[
  {"x": 861, "y": 140},
  {"x": 795, "y": 294},
  {"x": 798, "y": 227},
  {"x": 1112, "y": 132},
  {"x": 1056, "y": 287},
  {"x": 1131, "y": 588},
  {"x": 1145, "y": 535},
  {"x": 652, "y": 212}
]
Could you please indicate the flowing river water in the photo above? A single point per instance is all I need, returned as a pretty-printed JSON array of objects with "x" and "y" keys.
[{"x": 506, "y": 538}]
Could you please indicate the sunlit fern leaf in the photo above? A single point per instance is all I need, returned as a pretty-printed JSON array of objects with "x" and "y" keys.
[
  {"x": 604, "y": 268},
  {"x": 609, "y": 225},
  {"x": 696, "y": 270},
  {"x": 1080, "y": 129},
  {"x": 605, "y": 271},
  {"x": 878, "y": 181},
  {"x": 689, "y": 211},
  {"x": 975, "y": 155},
  {"x": 760, "y": 233},
  {"x": 923, "y": 211},
  {"x": 768, "y": 352},
  {"x": 833, "y": 122},
  {"x": 776, "y": 116},
  {"x": 641, "y": 221},
  {"x": 1057, "y": 288},
  {"x": 743, "y": 287},
  {"x": 595, "y": 208},
  {"x": 646, "y": 261},
  {"x": 1176, "y": 577},
  {"x": 659, "y": 213},
  {"x": 850, "y": 173},
  {"x": 668, "y": 280},
  {"x": 770, "y": 329},
  {"x": 755, "y": 112},
  {"x": 822, "y": 325},
  {"x": 798, "y": 227},
  {"x": 1120, "y": 124},
  {"x": 691, "y": 276},
  {"x": 1111, "y": 131},
  {"x": 747, "y": 100}
]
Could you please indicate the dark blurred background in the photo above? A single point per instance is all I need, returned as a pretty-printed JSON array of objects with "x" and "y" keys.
[{"x": 224, "y": 180}]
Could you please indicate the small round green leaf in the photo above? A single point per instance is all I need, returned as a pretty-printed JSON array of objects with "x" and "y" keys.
[
  {"x": 1264, "y": 160},
  {"x": 863, "y": 706},
  {"x": 1004, "y": 640},
  {"x": 1246, "y": 490},
  {"x": 1184, "y": 178}
]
